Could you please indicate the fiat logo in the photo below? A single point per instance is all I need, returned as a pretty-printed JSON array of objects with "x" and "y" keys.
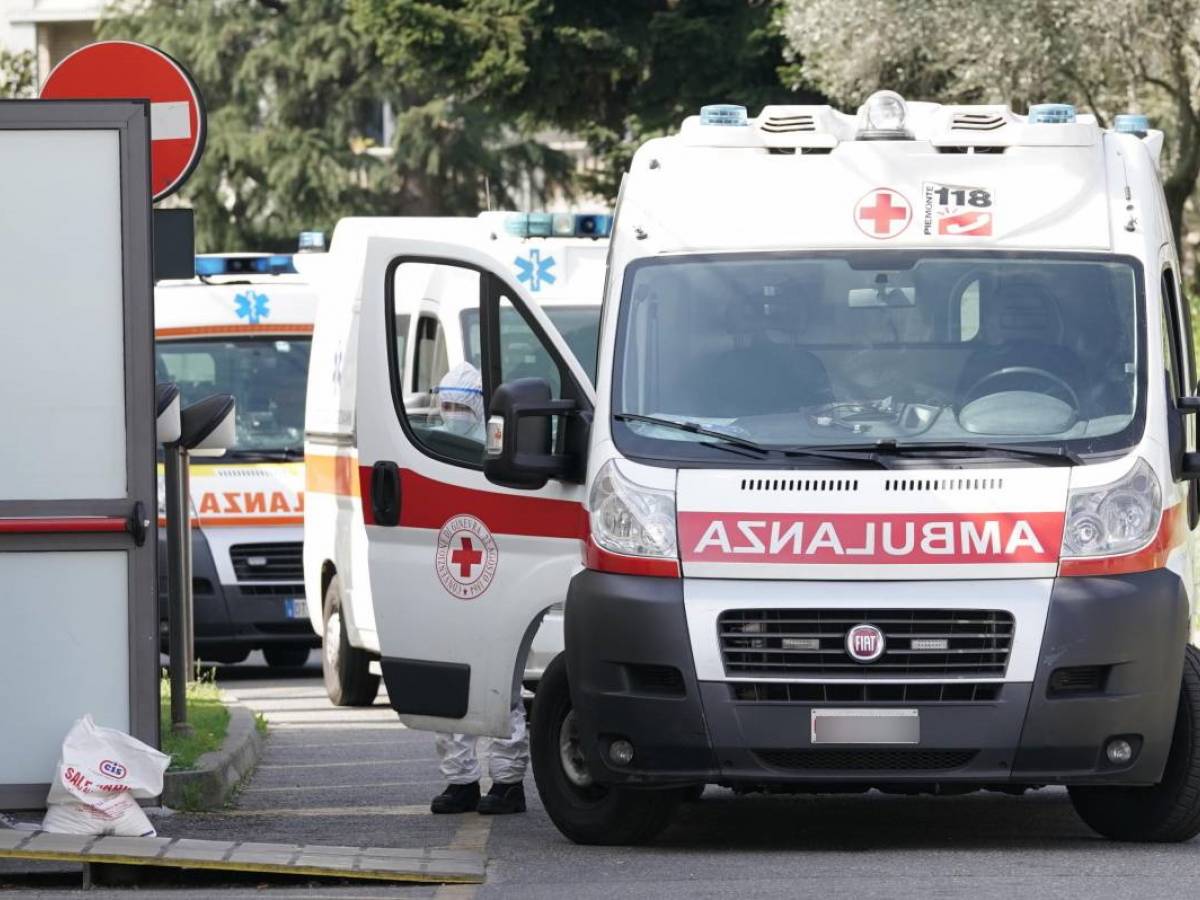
[{"x": 864, "y": 643}]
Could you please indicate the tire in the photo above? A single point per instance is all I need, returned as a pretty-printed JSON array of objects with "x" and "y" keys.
[
  {"x": 225, "y": 656},
  {"x": 586, "y": 813},
  {"x": 286, "y": 656},
  {"x": 346, "y": 669},
  {"x": 1168, "y": 812}
]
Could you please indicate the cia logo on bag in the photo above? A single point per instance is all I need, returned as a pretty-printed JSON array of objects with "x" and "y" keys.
[{"x": 113, "y": 769}]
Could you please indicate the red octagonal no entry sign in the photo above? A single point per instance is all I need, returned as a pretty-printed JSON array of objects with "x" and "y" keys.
[{"x": 124, "y": 70}]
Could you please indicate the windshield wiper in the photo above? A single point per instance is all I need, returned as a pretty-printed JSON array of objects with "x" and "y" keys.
[
  {"x": 289, "y": 454},
  {"x": 731, "y": 442},
  {"x": 1059, "y": 456}
]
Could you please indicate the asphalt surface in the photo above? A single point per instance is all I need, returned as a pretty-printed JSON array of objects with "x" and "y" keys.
[{"x": 347, "y": 776}]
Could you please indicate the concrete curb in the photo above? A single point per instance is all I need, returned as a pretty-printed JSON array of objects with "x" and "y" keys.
[{"x": 211, "y": 783}]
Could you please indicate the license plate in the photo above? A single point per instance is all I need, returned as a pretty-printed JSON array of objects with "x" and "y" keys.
[
  {"x": 296, "y": 608},
  {"x": 866, "y": 726}
]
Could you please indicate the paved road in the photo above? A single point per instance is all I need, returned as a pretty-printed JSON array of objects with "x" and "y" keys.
[{"x": 357, "y": 777}]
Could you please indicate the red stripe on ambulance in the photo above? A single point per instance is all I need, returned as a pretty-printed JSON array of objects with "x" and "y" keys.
[{"x": 854, "y": 539}]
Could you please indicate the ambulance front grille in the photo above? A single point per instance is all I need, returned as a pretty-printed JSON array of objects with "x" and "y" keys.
[
  {"x": 281, "y": 561},
  {"x": 919, "y": 643},
  {"x": 875, "y": 760},
  {"x": 874, "y": 693}
]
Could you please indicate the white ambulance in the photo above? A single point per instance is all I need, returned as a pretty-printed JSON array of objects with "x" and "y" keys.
[
  {"x": 243, "y": 326},
  {"x": 560, "y": 260},
  {"x": 886, "y": 480}
]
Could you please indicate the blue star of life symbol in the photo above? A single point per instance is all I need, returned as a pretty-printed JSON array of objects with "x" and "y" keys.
[
  {"x": 252, "y": 306},
  {"x": 535, "y": 270}
]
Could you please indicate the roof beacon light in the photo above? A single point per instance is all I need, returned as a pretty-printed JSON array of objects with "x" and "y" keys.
[
  {"x": 275, "y": 264},
  {"x": 1051, "y": 114},
  {"x": 1131, "y": 123},
  {"x": 589, "y": 225},
  {"x": 311, "y": 242},
  {"x": 723, "y": 114},
  {"x": 883, "y": 118}
]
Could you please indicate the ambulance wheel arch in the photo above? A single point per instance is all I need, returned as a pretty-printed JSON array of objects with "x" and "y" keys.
[{"x": 462, "y": 570}]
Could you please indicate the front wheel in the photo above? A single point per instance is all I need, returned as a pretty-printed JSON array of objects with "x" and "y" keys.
[
  {"x": 346, "y": 669},
  {"x": 1168, "y": 812},
  {"x": 584, "y": 811}
]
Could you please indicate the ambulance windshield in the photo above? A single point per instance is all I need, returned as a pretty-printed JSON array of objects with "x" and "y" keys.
[
  {"x": 858, "y": 349},
  {"x": 267, "y": 377}
]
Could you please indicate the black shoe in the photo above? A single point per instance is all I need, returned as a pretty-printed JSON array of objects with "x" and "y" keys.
[
  {"x": 503, "y": 799},
  {"x": 456, "y": 798}
]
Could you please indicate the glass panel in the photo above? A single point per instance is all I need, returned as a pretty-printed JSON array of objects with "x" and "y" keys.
[
  {"x": 71, "y": 609},
  {"x": 267, "y": 376},
  {"x": 579, "y": 326},
  {"x": 62, "y": 345},
  {"x": 822, "y": 349},
  {"x": 445, "y": 409}
]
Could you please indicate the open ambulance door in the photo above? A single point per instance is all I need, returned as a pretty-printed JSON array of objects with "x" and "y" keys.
[{"x": 461, "y": 569}]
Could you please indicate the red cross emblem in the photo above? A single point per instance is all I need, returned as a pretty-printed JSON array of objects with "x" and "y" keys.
[
  {"x": 465, "y": 557},
  {"x": 883, "y": 213}
]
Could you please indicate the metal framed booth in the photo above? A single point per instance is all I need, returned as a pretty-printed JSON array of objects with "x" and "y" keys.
[{"x": 78, "y": 616}]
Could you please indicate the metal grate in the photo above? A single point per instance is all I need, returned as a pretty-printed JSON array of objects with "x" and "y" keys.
[
  {"x": 800, "y": 484},
  {"x": 268, "y": 562},
  {"x": 920, "y": 485},
  {"x": 867, "y": 760},
  {"x": 859, "y": 692},
  {"x": 920, "y": 643}
]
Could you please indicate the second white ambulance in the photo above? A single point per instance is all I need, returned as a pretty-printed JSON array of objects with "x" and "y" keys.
[
  {"x": 243, "y": 326},
  {"x": 433, "y": 329},
  {"x": 886, "y": 479}
]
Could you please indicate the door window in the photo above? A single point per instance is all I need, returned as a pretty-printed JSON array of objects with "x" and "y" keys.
[{"x": 454, "y": 379}]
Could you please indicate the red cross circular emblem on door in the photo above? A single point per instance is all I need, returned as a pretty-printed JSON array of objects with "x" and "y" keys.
[
  {"x": 883, "y": 213},
  {"x": 466, "y": 557}
]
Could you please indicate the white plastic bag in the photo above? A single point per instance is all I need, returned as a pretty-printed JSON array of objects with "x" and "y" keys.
[{"x": 101, "y": 775}]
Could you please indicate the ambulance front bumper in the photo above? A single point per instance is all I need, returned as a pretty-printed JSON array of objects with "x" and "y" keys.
[{"x": 632, "y": 663}]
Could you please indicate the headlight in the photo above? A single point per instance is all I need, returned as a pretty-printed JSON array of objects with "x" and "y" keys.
[
  {"x": 631, "y": 519},
  {"x": 1115, "y": 518}
]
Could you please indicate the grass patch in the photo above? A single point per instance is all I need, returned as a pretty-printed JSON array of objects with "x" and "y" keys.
[{"x": 206, "y": 714}]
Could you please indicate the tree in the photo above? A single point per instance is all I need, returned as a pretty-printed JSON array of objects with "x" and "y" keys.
[
  {"x": 295, "y": 93},
  {"x": 1107, "y": 55},
  {"x": 17, "y": 74},
  {"x": 612, "y": 73}
]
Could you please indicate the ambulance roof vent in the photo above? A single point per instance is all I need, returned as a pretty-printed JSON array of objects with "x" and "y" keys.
[
  {"x": 807, "y": 485},
  {"x": 977, "y": 121},
  {"x": 785, "y": 124},
  {"x": 926, "y": 485}
]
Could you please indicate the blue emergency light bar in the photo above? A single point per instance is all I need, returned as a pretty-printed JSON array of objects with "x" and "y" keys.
[
  {"x": 1051, "y": 114},
  {"x": 1131, "y": 123},
  {"x": 723, "y": 114},
  {"x": 274, "y": 264},
  {"x": 589, "y": 225}
]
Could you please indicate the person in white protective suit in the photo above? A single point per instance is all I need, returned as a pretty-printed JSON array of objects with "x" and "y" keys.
[{"x": 459, "y": 397}]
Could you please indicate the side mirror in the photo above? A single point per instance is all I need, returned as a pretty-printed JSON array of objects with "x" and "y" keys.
[
  {"x": 519, "y": 435},
  {"x": 208, "y": 427},
  {"x": 166, "y": 398}
]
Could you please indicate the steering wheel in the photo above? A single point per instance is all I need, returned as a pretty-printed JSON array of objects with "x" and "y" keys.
[{"x": 973, "y": 392}]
